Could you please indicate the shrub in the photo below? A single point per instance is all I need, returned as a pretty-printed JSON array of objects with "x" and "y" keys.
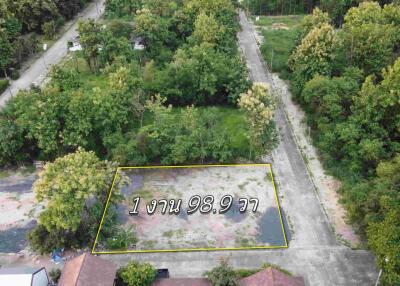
[
  {"x": 137, "y": 274},
  {"x": 55, "y": 275},
  {"x": 43, "y": 241},
  {"x": 49, "y": 29},
  {"x": 121, "y": 240},
  {"x": 15, "y": 75},
  {"x": 222, "y": 275},
  {"x": 120, "y": 28},
  {"x": 11, "y": 141},
  {"x": 3, "y": 85}
]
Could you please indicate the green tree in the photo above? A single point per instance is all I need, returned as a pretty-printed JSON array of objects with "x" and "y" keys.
[
  {"x": 259, "y": 105},
  {"x": 11, "y": 142},
  {"x": 206, "y": 29},
  {"x": 91, "y": 40},
  {"x": 372, "y": 132},
  {"x": 316, "y": 20},
  {"x": 122, "y": 8},
  {"x": 6, "y": 51},
  {"x": 67, "y": 184},
  {"x": 222, "y": 275},
  {"x": 137, "y": 274},
  {"x": 369, "y": 37},
  {"x": 155, "y": 31},
  {"x": 313, "y": 56}
]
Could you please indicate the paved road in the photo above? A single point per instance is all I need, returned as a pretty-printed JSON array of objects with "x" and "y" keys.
[
  {"x": 38, "y": 71},
  {"x": 313, "y": 252}
]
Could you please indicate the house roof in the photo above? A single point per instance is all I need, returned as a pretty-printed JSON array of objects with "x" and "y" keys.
[
  {"x": 88, "y": 270},
  {"x": 271, "y": 277},
  {"x": 23, "y": 276},
  {"x": 20, "y": 270},
  {"x": 182, "y": 282}
]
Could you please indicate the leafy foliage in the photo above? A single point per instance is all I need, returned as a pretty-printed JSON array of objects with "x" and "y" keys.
[
  {"x": 355, "y": 122},
  {"x": 314, "y": 55},
  {"x": 137, "y": 274},
  {"x": 369, "y": 37},
  {"x": 70, "y": 186},
  {"x": 259, "y": 106},
  {"x": 222, "y": 275}
]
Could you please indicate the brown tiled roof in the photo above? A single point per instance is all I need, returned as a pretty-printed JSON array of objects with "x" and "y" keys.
[
  {"x": 182, "y": 282},
  {"x": 88, "y": 270},
  {"x": 271, "y": 277}
]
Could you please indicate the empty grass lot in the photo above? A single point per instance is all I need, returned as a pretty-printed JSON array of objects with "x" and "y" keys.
[{"x": 280, "y": 35}]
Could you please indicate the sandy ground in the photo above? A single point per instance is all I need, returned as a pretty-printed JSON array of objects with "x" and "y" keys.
[
  {"x": 199, "y": 230},
  {"x": 19, "y": 211}
]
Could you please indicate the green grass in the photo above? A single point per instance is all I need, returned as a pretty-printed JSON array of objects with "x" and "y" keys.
[
  {"x": 279, "y": 43},
  {"x": 4, "y": 174}
]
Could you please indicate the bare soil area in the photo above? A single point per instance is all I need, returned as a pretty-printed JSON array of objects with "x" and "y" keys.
[{"x": 232, "y": 229}]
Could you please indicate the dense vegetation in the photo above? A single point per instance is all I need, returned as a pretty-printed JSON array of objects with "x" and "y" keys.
[
  {"x": 348, "y": 82},
  {"x": 119, "y": 108},
  {"x": 21, "y": 21},
  {"x": 185, "y": 98}
]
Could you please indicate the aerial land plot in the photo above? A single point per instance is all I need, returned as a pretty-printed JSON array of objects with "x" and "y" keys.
[{"x": 214, "y": 207}]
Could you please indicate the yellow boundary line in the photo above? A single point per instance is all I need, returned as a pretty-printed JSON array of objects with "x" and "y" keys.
[{"x": 189, "y": 249}]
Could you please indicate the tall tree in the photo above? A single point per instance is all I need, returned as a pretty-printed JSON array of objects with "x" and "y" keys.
[
  {"x": 91, "y": 39},
  {"x": 259, "y": 105}
]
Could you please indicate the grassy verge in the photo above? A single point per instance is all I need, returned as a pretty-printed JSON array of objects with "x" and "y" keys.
[{"x": 280, "y": 36}]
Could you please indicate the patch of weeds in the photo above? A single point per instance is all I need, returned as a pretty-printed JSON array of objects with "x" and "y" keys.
[
  {"x": 168, "y": 234},
  {"x": 242, "y": 186},
  {"x": 4, "y": 174},
  {"x": 268, "y": 177},
  {"x": 242, "y": 241},
  {"x": 31, "y": 213},
  {"x": 180, "y": 233},
  {"x": 144, "y": 194},
  {"x": 148, "y": 244}
]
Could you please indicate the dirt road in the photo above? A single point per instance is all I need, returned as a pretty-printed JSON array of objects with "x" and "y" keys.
[{"x": 38, "y": 71}]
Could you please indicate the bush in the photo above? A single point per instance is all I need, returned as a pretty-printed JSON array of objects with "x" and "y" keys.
[
  {"x": 15, "y": 75},
  {"x": 55, "y": 275},
  {"x": 222, "y": 275},
  {"x": 3, "y": 85},
  {"x": 49, "y": 29},
  {"x": 121, "y": 240},
  {"x": 42, "y": 241},
  {"x": 11, "y": 142},
  {"x": 120, "y": 29},
  {"x": 137, "y": 274}
]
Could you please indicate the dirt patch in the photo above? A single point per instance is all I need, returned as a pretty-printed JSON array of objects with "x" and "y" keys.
[
  {"x": 19, "y": 211},
  {"x": 260, "y": 227}
]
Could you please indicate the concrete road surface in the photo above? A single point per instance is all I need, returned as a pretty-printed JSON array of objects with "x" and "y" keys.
[
  {"x": 313, "y": 253},
  {"x": 38, "y": 71}
]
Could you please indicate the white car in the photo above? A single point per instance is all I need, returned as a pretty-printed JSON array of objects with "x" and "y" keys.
[{"x": 75, "y": 47}]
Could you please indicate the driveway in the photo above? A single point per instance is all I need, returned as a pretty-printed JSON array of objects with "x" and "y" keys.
[
  {"x": 314, "y": 251},
  {"x": 38, "y": 71}
]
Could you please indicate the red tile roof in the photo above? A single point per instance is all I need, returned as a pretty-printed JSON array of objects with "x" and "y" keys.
[
  {"x": 88, "y": 270},
  {"x": 271, "y": 277},
  {"x": 182, "y": 282}
]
